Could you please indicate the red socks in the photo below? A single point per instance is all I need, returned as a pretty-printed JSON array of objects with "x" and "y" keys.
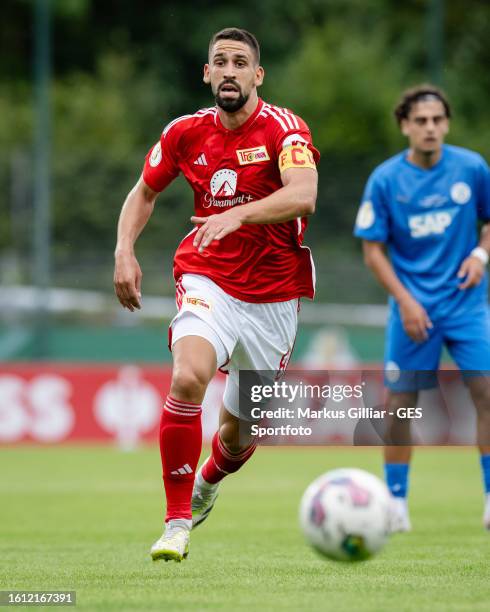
[
  {"x": 180, "y": 447},
  {"x": 221, "y": 462}
]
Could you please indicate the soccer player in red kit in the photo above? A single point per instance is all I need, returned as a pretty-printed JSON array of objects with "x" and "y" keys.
[{"x": 239, "y": 273}]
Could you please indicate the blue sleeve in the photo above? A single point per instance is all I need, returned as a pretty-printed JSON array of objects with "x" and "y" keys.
[
  {"x": 372, "y": 221},
  {"x": 483, "y": 195}
]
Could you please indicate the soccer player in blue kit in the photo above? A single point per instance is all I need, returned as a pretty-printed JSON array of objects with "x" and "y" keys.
[{"x": 424, "y": 205}]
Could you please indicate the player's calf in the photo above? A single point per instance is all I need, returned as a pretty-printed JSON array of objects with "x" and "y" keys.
[{"x": 219, "y": 464}]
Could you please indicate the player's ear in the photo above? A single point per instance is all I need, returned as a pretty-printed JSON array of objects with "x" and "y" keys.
[
  {"x": 259, "y": 76},
  {"x": 404, "y": 127},
  {"x": 206, "y": 77}
]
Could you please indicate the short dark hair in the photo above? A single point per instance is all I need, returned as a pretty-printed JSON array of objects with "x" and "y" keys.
[
  {"x": 416, "y": 94},
  {"x": 239, "y": 35}
]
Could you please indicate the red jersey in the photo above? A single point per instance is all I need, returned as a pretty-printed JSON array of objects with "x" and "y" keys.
[{"x": 225, "y": 168}]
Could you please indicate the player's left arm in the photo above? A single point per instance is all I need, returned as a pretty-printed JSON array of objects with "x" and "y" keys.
[
  {"x": 296, "y": 198},
  {"x": 473, "y": 267}
]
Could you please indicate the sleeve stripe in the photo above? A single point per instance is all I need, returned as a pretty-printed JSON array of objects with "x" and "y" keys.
[
  {"x": 269, "y": 112},
  {"x": 287, "y": 119},
  {"x": 290, "y": 118}
]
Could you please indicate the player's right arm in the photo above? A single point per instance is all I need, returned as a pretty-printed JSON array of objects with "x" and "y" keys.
[
  {"x": 160, "y": 169},
  {"x": 135, "y": 213},
  {"x": 415, "y": 319}
]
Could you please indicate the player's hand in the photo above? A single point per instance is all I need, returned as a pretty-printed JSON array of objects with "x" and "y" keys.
[
  {"x": 473, "y": 269},
  {"x": 415, "y": 319},
  {"x": 215, "y": 227},
  {"x": 127, "y": 280}
]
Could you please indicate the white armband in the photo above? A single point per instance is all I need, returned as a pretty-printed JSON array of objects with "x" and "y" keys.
[{"x": 481, "y": 254}]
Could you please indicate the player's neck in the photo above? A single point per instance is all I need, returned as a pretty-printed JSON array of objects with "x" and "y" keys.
[
  {"x": 232, "y": 121},
  {"x": 424, "y": 159}
]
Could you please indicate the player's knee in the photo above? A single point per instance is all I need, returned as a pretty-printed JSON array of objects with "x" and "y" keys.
[
  {"x": 189, "y": 383},
  {"x": 481, "y": 399},
  {"x": 406, "y": 399},
  {"x": 398, "y": 429}
]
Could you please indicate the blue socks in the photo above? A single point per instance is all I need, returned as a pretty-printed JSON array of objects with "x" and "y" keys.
[
  {"x": 485, "y": 468},
  {"x": 396, "y": 476}
]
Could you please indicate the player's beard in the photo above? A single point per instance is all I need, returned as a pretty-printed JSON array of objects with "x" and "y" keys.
[{"x": 231, "y": 105}]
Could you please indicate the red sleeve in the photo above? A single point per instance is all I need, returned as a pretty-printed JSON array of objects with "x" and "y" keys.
[
  {"x": 161, "y": 162},
  {"x": 288, "y": 129}
]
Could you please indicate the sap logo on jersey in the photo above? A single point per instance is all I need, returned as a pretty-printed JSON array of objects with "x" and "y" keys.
[
  {"x": 430, "y": 223},
  {"x": 223, "y": 183}
]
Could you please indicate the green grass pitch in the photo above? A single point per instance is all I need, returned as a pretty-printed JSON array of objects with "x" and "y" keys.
[{"x": 84, "y": 519}]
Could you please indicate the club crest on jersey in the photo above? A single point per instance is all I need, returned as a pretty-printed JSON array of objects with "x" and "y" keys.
[
  {"x": 253, "y": 155},
  {"x": 223, "y": 183},
  {"x": 460, "y": 193}
]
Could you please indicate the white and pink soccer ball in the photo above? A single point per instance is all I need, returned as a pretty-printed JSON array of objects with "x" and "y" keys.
[{"x": 345, "y": 514}]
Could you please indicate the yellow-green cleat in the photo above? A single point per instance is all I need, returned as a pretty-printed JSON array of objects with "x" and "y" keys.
[{"x": 172, "y": 546}]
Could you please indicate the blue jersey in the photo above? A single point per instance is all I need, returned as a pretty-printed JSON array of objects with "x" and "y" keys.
[{"x": 428, "y": 220}]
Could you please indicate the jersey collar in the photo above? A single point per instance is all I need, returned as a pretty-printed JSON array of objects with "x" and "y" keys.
[
  {"x": 425, "y": 170},
  {"x": 247, "y": 123}
]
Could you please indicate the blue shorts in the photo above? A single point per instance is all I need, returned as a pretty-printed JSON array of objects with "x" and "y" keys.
[{"x": 410, "y": 366}]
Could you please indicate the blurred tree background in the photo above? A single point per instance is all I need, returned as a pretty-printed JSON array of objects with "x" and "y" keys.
[{"x": 121, "y": 70}]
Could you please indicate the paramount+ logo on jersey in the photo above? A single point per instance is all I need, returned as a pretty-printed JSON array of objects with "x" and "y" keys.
[
  {"x": 223, "y": 187},
  {"x": 429, "y": 224}
]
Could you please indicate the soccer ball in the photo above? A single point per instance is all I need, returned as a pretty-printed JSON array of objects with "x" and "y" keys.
[{"x": 345, "y": 514}]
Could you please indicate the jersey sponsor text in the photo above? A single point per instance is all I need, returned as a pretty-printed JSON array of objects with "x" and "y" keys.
[{"x": 430, "y": 223}]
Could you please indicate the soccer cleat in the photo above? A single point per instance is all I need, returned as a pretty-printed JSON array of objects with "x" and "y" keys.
[
  {"x": 172, "y": 546},
  {"x": 204, "y": 496},
  {"x": 399, "y": 519},
  {"x": 486, "y": 513}
]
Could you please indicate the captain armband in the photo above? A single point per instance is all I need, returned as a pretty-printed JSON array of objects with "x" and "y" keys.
[{"x": 296, "y": 156}]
